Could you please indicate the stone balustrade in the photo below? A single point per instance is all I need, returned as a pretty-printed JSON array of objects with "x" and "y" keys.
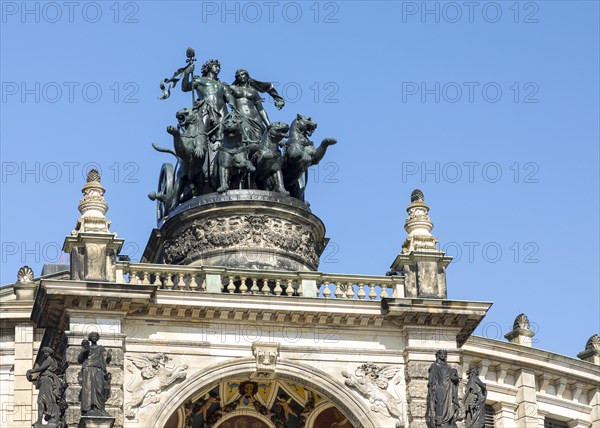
[{"x": 208, "y": 279}]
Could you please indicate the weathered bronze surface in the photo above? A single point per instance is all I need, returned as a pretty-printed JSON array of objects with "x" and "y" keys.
[
  {"x": 226, "y": 141},
  {"x": 442, "y": 394},
  {"x": 94, "y": 378}
]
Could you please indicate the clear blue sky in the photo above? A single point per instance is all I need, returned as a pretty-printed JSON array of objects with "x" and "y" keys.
[{"x": 442, "y": 97}]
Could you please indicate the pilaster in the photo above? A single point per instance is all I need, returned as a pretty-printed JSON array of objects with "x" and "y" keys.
[
  {"x": 422, "y": 344},
  {"x": 504, "y": 415},
  {"x": 527, "y": 408},
  {"x": 23, "y": 389}
]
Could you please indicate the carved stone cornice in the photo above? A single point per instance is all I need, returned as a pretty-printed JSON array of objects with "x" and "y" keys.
[{"x": 436, "y": 313}]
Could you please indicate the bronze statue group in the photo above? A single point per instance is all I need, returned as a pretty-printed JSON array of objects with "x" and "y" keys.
[
  {"x": 93, "y": 377},
  {"x": 226, "y": 140},
  {"x": 443, "y": 406}
]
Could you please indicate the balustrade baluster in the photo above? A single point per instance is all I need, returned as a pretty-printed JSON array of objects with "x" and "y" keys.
[
  {"x": 361, "y": 291},
  {"x": 194, "y": 282},
  {"x": 231, "y": 285},
  {"x": 349, "y": 290},
  {"x": 254, "y": 288},
  {"x": 384, "y": 294},
  {"x": 290, "y": 288},
  {"x": 169, "y": 281},
  {"x": 339, "y": 294},
  {"x": 372, "y": 293},
  {"x": 278, "y": 290},
  {"x": 326, "y": 290},
  {"x": 243, "y": 287}
]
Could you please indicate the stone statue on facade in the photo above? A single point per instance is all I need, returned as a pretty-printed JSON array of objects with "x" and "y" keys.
[
  {"x": 50, "y": 386},
  {"x": 442, "y": 394},
  {"x": 474, "y": 400},
  {"x": 94, "y": 377}
]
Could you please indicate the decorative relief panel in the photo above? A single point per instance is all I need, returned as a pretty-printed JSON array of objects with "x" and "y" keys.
[{"x": 243, "y": 232}]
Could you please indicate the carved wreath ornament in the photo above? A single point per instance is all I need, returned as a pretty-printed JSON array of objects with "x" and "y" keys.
[{"x": 248, "y": 231}]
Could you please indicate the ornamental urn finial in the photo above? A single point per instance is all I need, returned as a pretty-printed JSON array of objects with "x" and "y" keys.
[
  {"x": 521, "y": 333},
  {"x": 92, "y": 206},
  {"x": 591, "y": 353},
  {"x": 25, "y": 275},
  {"x": 418, "y": 225}
]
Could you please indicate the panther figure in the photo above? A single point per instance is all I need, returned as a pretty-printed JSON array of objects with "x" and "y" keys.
[
  {"x": 267, "y": 159},
  {"x": 190, "y": 148},
  {"x": 300, "y": 154}
]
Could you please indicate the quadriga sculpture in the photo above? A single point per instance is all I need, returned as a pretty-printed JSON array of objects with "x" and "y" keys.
[{"x": 301, "y": 153}]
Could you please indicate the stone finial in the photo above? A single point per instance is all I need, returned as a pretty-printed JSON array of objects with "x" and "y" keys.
[
  {"x": 92, "y": 247},
  {"x": 92, "y": 206},
  {"x": 25, "y": 288},
  {"x": 521, "y": 333},
  {"x": 25, "y": 275},
  {"x": 420, "y": 262},
  {"x": 418, "y": 225},
  {"x": 591, "y": 352}
]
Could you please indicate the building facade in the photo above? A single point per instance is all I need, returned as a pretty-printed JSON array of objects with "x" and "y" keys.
[{"x": 227, "y": 322}]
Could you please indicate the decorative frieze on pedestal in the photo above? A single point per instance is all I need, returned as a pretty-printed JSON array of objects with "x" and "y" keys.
[{"x": 252, "y": 229}]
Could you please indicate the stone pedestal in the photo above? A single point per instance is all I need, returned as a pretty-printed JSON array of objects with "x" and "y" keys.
[
  {"x": 251, "y": 229},
  {"x": 96, "y": 422}
]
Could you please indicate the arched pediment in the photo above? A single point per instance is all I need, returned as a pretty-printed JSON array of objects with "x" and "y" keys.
[{"x": 288, "y": 372}]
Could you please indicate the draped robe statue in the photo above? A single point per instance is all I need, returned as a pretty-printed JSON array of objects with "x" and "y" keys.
[
  {"x": 474, "y": 401},
  {"x": 94, "y": 378},
  {"x": 442, "y": 394},
  {"x": 50, "y": 388}
]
